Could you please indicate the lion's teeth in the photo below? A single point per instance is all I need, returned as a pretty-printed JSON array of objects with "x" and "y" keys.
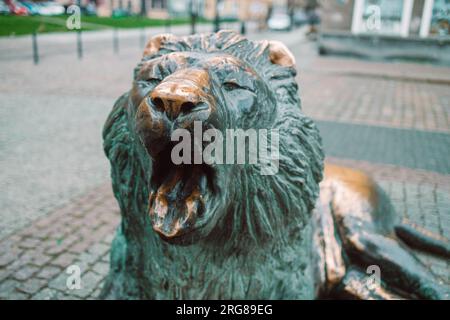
[{"x": 160, "y": 207}]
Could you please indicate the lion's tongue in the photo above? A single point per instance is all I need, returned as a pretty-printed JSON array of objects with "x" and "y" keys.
[{"x": 178, "y": 200}]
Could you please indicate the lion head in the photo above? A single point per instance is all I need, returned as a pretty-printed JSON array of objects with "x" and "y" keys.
[{"x": 221, "y": 80}]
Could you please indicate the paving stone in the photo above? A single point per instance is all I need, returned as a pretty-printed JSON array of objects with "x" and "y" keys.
[
  {"x": 8, "y": 288},
  {"x": 106, "y": 258},
  {"x": 64, "y": 260},
  {"x": 44, "y": 222},
  {"x": 7, "y": 258},
  {"x": 89, "y": 281},
  {"x": 79, "y": 247},
  {"x": 99, "y": 289},
  {"x": 101, "y": 268},
  {"x": 108, "y": 238},
  {"x": 386, "y": 145},
  {"x": 5, "y": 274},
  {"x": 59, "y": 283},
  {"x": 25, "y": 272},
  {"x": 40, "y": 260},
  {"x": 88, "y": 258},
  {"x": 57, "y": 247},
  {"x": 68, "y": 296},
  {"x": 45, "y": 294},
  {"x": 373, "y": 101},
  {"x": 29, "y": 243},
  {"x": 98, "y": 249},
  {"x": 17, "y": 295},
  {"x": 16, "y": 265},
  {"x": 49, "y": 272},
  {"x": 83, "y": 265},
  {"x": 32, "y": 286},
  {"x": 52, "y": 294}
]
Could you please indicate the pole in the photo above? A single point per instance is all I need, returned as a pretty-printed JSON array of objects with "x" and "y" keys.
[
  {"x": 192, "y": 9},
  {"x": 35, "y": 48},
  {"x": 243, "y": 28},
  {"x": 217, "y": 18},
  {"x": 79, "y": 45},
  {"x": 192, "y": 23}
]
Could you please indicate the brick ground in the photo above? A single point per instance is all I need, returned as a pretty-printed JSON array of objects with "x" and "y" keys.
[
  {"x": 403, "y": 95},
  {"x": 410, "y": 148},
  {"x": 33, "y": 262},
  {"x": 376, "y": 101}
]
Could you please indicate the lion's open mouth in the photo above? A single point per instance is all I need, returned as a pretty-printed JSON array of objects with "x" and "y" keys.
[{"x": 178, "y": 196}]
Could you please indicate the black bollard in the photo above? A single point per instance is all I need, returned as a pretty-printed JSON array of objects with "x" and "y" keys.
[
  {"x": 79, "y": 45},
  {"x": 217, "y": 21},
  {"x": 168, "y": 25},
  {"x": 35, "y": 48},
  {"x": 115, "y": 41},
  {"x": 243, "y": 28},
  {"x": 193, "y": 22}
]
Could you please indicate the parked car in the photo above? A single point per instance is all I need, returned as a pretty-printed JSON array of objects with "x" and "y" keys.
[
  {"x": 33, "y": 8},
  {"x": 51, "y": 8},
  {"x": 279, "y": 21},
  {"x": 300, "y": 18},
  {"x": 4, "y": 9},
  {"x": 119, "y": 13},
  {"x": 16, "y": 8},
  {"x": 89, "y": 9}
]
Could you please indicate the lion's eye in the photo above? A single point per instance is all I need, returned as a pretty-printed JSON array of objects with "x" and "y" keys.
[
  {"x": 231, "y": 85},
  {"x": 148, "y": 82},
  {"x": 153, "y": 80}
]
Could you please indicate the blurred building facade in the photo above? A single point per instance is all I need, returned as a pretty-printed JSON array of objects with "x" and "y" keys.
[
  {"x": 403, "y": 18},
  {"x": 417, "y": 30},
  {"x": 227, "y": 9}
]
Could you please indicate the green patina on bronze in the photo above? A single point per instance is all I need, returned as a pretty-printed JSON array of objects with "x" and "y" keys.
[{"x": 226, "y": 231}]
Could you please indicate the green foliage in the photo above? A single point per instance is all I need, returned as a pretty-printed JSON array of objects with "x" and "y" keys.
[{"x": 16, "y": 25}]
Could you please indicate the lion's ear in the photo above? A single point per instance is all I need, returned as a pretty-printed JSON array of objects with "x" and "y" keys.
[
  {"x": 280, "y": 54},
  {"x": 155, "y": 43}
]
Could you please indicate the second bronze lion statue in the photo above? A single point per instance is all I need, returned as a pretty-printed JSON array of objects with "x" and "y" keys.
[{"x": 196, "y": 231}]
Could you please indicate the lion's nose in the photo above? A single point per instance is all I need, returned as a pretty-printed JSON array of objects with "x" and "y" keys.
[
  {"x": 181, "y": 93},
  {"x": 173, "y": 102}
]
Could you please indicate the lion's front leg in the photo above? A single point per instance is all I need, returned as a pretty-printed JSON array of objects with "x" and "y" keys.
[
  {"x": 350, "y": 241},
  {"x": 335, "y": 276}
]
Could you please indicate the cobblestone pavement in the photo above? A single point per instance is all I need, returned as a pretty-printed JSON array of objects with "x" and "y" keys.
[
  {"x": 33, "y": 261},
  {"x": 48, "y": 160},
  {"x": 402, "y": 147},
  {"x": 389, "y": 119},
  {"x": 391, "y": 95}
]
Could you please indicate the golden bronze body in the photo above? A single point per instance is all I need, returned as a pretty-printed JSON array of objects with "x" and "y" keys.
[{"x": 355, "y": 230}]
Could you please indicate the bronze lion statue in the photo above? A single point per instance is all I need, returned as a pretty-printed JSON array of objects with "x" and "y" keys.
[{"x": 226, "y": 231}]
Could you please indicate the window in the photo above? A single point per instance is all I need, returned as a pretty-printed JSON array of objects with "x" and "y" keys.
[
  {"x": 440, "y": 18},
  {"x": 382, "y": 16},
  {"x": 159, "y": 4}
]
